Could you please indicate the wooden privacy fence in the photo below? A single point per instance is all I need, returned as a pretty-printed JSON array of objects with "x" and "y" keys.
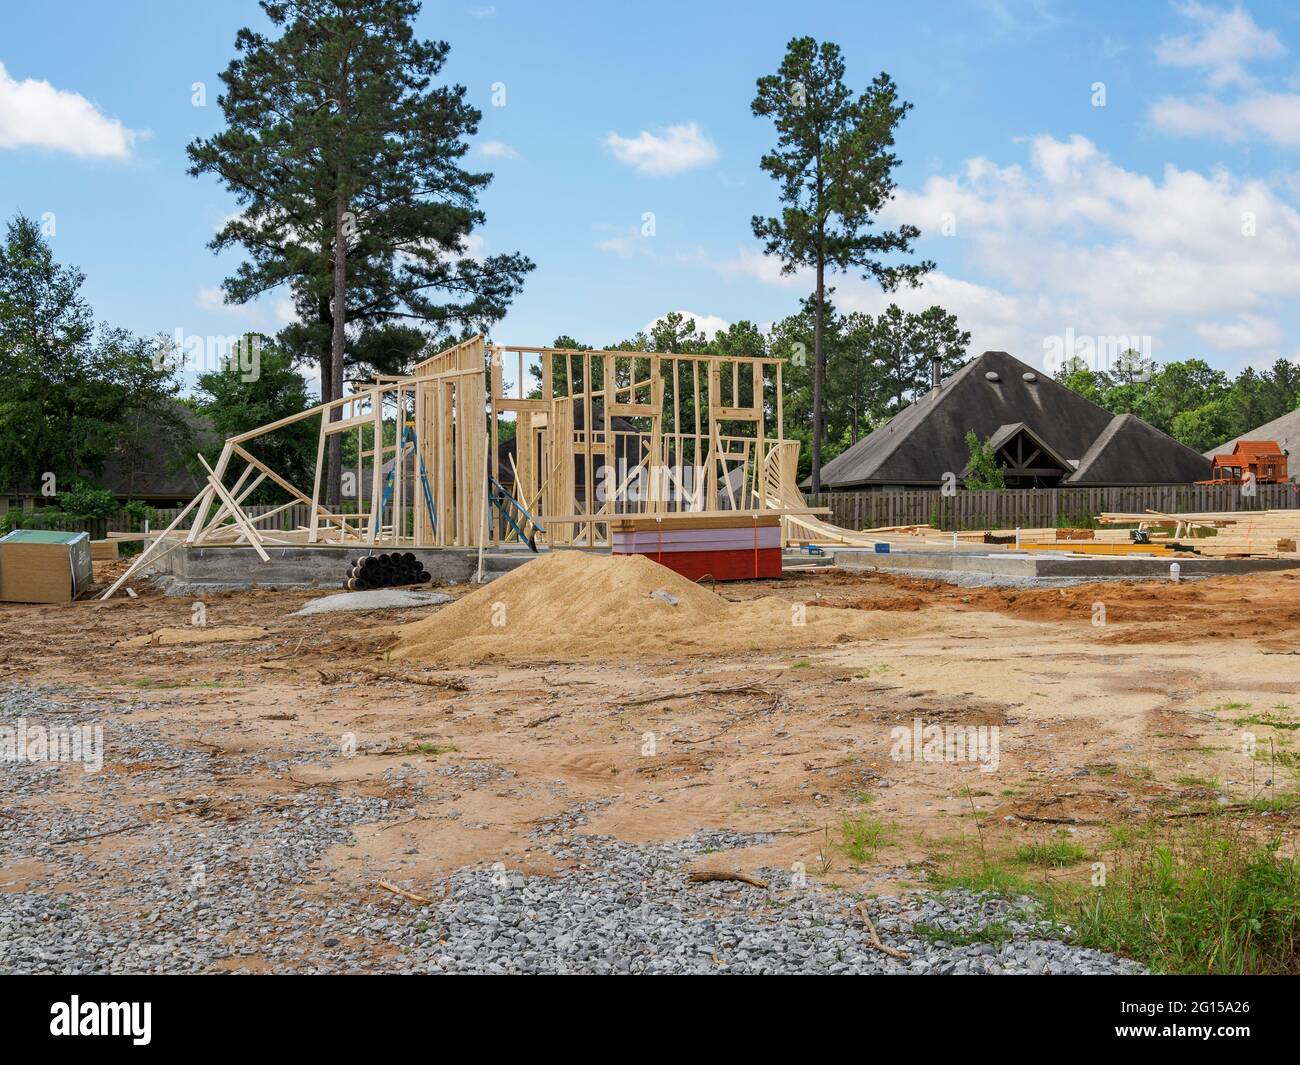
[
  {"x": 1031, "y": 508},
  {"x": 1028, "y": 508}
]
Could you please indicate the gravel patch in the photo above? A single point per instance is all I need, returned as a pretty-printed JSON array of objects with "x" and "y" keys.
[{"x": 195, "y": 881}]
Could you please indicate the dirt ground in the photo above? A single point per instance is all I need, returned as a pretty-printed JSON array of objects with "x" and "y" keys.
[{"x": 1104, "y": 718}]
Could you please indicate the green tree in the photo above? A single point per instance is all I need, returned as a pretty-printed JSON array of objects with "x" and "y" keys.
[
  {"x": 68, "y": 390},
  {"x": 791, "y": 339},
  {"x": 853, "y": 377},
  {"x": 1077, "y": 376},
  {"x": 236, "y": 402},
  {"x": 834, "y": 166},
  {"x": 344, "y": 156},
  {"x": 1176, "y": 387},
  {"x": 903, "y": 344},
  {"x": 983, "y": 470},
  {"x": 1205, "y": 426}
]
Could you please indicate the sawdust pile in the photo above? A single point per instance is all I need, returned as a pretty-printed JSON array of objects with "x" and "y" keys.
[{"x": 573, "y": 604}]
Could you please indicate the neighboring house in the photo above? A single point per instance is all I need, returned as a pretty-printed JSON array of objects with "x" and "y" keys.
[
  {"x": 1284, "y": 431},
  {"x": 1043, "y": 434},
  {"x": 154, "y": 466}
]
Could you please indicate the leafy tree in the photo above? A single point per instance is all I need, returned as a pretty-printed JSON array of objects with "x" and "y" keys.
[
  {"x": 903, "y": 343},
  {"x": 1091, "y": 384},
  {"x": 1177, "y": 387},
  {"x": 1205, "y": 426},
  {"x": 1189, "y": 399},
  {"x": 983, "y": 470},
  {"x": 84, "y": 500},
  {"x": 236, "y": 402},
  {"x": 791, "y": 339},
  {"x": 853, "y": 375},
  {"x": 673, "y": 332},
  {"x": 67, "y": 388},
  {"x": 834, "y": 165},
  {"x": 344, "y": 156}
]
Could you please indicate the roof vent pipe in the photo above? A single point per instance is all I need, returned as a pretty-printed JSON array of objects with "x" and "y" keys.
[{"x": 936, "y": 371}]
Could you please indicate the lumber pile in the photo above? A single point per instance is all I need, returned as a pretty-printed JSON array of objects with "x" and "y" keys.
[{"x": 1236, "y": 534}]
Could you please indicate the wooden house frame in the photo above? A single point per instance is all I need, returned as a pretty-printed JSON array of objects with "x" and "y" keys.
[{"x": 698, "y": 435}]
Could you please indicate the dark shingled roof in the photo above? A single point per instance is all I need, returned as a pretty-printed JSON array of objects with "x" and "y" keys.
[
  {"x": 927, "y": 439},
  {"x": 1131, "y": 451}
]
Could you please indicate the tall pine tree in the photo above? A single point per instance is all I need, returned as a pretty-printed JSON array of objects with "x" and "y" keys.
[
  {"x": 345, "y": 158},
  {"x": 835, "y": 169}
]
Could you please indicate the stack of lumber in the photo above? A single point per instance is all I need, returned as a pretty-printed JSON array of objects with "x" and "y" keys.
[{"x": 1237, "y": 534}]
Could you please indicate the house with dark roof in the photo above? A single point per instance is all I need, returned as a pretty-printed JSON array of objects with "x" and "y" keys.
[{"x": 1043, "y": 434}]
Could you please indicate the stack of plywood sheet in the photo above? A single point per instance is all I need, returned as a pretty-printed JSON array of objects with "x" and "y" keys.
[{"x": 743, "y": 546}]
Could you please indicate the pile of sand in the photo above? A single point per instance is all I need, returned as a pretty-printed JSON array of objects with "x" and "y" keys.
[{"x": 575, "y": 604}]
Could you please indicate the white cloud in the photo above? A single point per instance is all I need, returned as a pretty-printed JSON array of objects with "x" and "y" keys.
[
  {"x": 708, "y": 324},
  {"x": 497, "y": 150},
  {"x": 285, "y": 313},
  {"x": 211, "y": 298},
  {"x": 1069, "y": 240},
  {"x": 1223, "y": 42},
  {"x": 1250, "y": 332},
  {"x": 266, "y": 315},
  {"x": 764, "y": 268},
  {"x": 1226, "y": 42},
  {"x": 1274, "y": 116},
  {"x": 672, "y": 151},
  {"x": 34, "y": 114}
]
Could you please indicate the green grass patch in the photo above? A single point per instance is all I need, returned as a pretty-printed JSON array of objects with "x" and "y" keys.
[
  {"x": 862, "y": 837},
  {"x": 1268, "y": 721},
  {"x": 1189, "y": 780},
  {"x": 1208, "y": 897},
  {"x": 430, "y": 748},
  {"x": 1057, "y": 854}
]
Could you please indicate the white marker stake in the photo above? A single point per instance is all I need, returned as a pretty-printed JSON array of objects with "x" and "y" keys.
[
  {"x": 1174, "y": 570},
  {"x": 1017, "y": 537}
]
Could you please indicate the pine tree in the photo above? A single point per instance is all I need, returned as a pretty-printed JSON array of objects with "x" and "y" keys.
[
  {"x": 834, "y": 165},
  {"x": 344, "y": 156}
]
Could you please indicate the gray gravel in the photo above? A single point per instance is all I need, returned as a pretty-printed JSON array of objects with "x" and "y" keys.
[{"x": 238, "y": 883}]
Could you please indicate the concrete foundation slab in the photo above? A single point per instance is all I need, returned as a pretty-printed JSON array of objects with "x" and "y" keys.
[
  {"x": 1029, "y": 568},
  {"x": 195, "y": 570}
]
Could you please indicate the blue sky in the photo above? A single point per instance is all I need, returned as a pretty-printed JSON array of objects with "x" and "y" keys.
[{"x": 1168, "y": 212}]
